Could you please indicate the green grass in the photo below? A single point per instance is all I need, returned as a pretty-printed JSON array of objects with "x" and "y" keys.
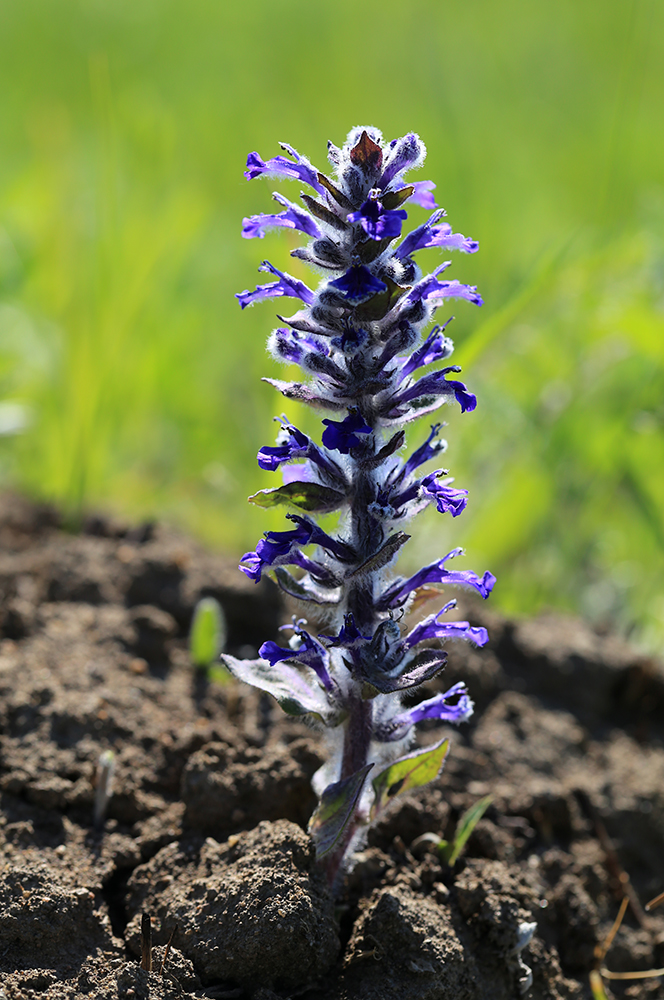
[{"x": 124, "y": 131}]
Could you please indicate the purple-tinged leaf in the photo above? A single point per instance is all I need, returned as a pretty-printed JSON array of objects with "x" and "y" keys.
[
  {"x": 395, "y": 199},
  {"x": 395, "y": 442},
  {"x": 367, "y": 154},
  {"x": 409, "y": 772},
  {"x": 335, "y": 811}
]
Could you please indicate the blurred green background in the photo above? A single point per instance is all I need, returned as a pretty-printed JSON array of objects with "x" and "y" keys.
[{"x": 124, "y": 128}]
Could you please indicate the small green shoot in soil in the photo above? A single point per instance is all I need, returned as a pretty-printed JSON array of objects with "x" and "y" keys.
[
  {"x": 450, "y": 850},
  {"x": 104, "y": 789},
  {"x": 208, "y": 633}
]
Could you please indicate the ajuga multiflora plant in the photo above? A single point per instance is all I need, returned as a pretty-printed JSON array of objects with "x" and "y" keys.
[{"x": 359, "y": 340}]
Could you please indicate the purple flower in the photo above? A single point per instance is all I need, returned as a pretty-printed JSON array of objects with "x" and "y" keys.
[
  {"x": 349, "y": 636},
  {"x": 296, "y": 445},
  {"x": 358, "y": 283},
  {"x": 447, "y": 500},
  {"x": 438, "y": 707},
  {"x": 292, "y": 346},
  {"x": 291, "y": 445},
  {"x": 378, "y": 223},
  {"x": 279, "y": 166},
  {"x": 310, "y": 652},
  {"x": 342, "y": 551},
  {"x": 341, "y": 435},
  {"x": 436, "y": 572},
  {"x": 452, "y": 706},
  {"x": 425, "y": 452},
  {"x": 367, "y": 362},
  {"x": 435, "y": 384},
  {"x": 430, "y": 289},
  {"x": 273, "y": 550},
  {"x": 280, "y": 548},
  {"x": 404, "y": 154},
  {"x": 436, "y": 347},
  {"x": 432, "y": 628},
  {"x": 433, "y": 235},
  {"x": 422, "y": 195},
  {"x": 293, "y": 218},
  {"x": 300, "y": 473},
  {"x": 351, "y": 341},
  {"x": 286, "y": 285}
]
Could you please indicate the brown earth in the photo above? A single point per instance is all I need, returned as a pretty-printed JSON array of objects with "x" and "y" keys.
[{"x": 205, "y": 829}]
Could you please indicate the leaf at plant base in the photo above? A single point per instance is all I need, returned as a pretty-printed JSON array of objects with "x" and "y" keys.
[
  {"x": 284, "y": 683},
  {"x": 467, "y": 823},
  {"x": 305, "y": 496},
  {"x": 412, "y": 771},
  {"x": 208, "y": 632},
  {"x": 334, "y": 811}
]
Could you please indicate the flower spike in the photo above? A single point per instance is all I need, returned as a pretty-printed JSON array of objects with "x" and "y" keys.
[{"x": 360, "y": 339}]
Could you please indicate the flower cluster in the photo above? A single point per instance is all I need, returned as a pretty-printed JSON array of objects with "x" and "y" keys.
[{"x": 359, "y": 339}]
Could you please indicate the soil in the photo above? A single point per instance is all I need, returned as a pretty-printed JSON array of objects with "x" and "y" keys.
[{"x": 205, "y": 829}]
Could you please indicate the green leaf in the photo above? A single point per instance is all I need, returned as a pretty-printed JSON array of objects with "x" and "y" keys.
[
  {"x": 284, "y": 683},
  {"x": 379, "y": 305},
  {"x": 412, "y": 771},
  {"x": 449, "y": 852},
  {"x": 306, "y": 589},
  {"x": 207, "y": 637},
  {"x": 335, "y": 810},
  {"x": 338, "y": 196},
  {"x": 393, "y": 199},
  {"x": 306, "y": 496},
  {"x": 323, "y": 213},
  {"x": 384, "y": 555}
]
